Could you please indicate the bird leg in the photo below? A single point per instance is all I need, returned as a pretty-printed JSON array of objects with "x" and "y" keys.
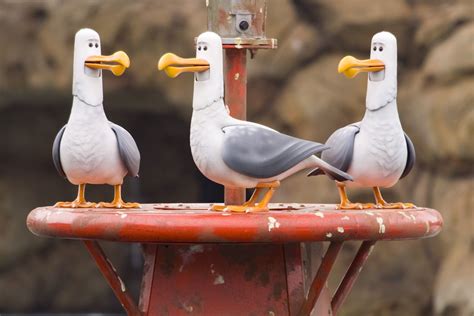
[
  {"x": 250, "y": 205},
  {"x": 381, "y": 203},
  {"x": 117, "y": 201},
  {"x": 346, "y": 204},
  {"x": 79, "y": 202}
]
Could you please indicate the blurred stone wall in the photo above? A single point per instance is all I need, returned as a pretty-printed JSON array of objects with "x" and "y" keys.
[{"x": 295, "y": 88}]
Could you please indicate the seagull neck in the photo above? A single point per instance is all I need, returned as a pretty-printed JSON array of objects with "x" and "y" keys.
[
  {"x": 84, "y": 112},
  {"x": 76, "y": 96},
  {"x": 214, "y": 106},
  {"x": 386, "y": 113}
]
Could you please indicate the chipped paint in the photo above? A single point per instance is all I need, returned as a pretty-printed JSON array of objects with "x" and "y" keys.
[
  {"x": 328, "y": 235},
  {"x": 226, "y": 213},
  {"x": 122, "y": 285},
  {"x": 369, "y": 213},
  {"x": 188, "y": 308},
  {"x": 381, "y": 225},
  {"x": 238, "y": 43},
  {"x": 413, "y": 217},
  {"x": 404, "y": 215},
  {"x": 427, "y": 227},
  {"x": 319, "y": 214},
  {"x": 371, "y": 249},
  {"x": 219, "y": 280},
  {"x": 345, "y": 218},
  {"x": 340, "y": 229},
  {"x": 236, "y": 76},
  {"x": 272, "y": 223},
  {"x": 271, "y": 313},
  {"x": 123, "y": 215}
]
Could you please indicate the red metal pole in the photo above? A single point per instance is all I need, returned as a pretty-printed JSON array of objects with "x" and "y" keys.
[
  {"x": 321, "y": 278},
  {"x": 110, "y": 274},
  {"x": 351, "y": 275},
  {"x": 236, "y": 100}
]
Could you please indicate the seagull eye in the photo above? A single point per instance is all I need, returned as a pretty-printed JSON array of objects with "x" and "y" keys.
[
  {"x": 90, "y": 44},
  {"x": 205, "y": 48},
  {"x": 199, "y": 47},
  {"x": 96, "y": 45},
  {"x": 380, "y": 48},
  {"x": 375, "y": 48}
]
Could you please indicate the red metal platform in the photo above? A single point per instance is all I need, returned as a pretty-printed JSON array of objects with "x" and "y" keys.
[{"x": 211, "y": 263}]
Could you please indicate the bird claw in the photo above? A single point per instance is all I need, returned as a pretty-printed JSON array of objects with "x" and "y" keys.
[
  {"x": 351, "y": 206},
  {"x": 119, "y": 204},
  {"x": 75, "y": 204},
  {"x": 397, "y": 205}
]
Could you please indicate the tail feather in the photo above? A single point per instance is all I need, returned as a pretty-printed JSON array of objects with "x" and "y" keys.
[{"x": 330, "y": 171}]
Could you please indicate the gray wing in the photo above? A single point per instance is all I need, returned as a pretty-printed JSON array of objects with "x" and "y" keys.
[
  {"x": 57, "y": 152},
  {"x": 411, "y": 157},
  {"x": 341, "y": 144},
  {"x": 128, "y": 149},
  {"x": 263, "y": 153}
]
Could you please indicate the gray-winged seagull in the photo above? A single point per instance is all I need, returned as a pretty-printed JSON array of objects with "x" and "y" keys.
[
  {"x": 232, "y": 152},
  {"x": 90, "y": 149},
  {"x": 375, "y": 151}
]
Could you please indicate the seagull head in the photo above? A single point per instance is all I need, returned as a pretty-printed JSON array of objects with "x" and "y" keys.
[
  {"x": 207, "y": 67},
  {"x": 382, "y": 69},
  {"x": 88, "y": 65}
]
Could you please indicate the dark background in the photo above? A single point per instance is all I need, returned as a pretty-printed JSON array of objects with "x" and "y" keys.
[{"x": 295, "y": 88}]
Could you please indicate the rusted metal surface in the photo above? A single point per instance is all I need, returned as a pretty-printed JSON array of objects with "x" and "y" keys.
[
  {"x": 236, "y": 100},
  {"x": 321, "y": 278},
  {"x": 114, "y": 280},
  {"x": 294, "y": 276},
  {"x": 149, "y": 267},
  {"x": 237, "y": 19},
  {"x": 351, "y": 275},
  {"x": 224, "y": 279},
  {"x": 174, "y": 223}
]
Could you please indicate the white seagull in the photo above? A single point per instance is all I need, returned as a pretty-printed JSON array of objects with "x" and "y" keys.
[
  {"x": 232, "y": 152},
  {"x": 375, "y": 151},
  {"x": 90, "y": 149}
]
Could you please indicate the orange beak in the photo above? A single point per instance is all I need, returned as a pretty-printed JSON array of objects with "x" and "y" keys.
[{"x": 174, "y": 65}]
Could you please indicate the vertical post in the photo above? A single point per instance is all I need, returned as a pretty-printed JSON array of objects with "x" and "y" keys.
[
  {"x": 236, "y": 100},
  {"x": 241, "y": 25}
]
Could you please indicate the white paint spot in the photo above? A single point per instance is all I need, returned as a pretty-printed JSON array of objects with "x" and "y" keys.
[
  {"x": 329, "y": 235},
  {"x": 345, "y": 218},
  {"x": 123, "y": 215},
  {"x": 272, "y": 223},
  {"x": 381, "y": 225},
  {"x": 427, "y": 227},
  {"x": 219, "y": 280},
  {"x": 340, "y": 229},
  {"x": 122, "y": 285},
  {"x": 188, "y": 308},
  {"x": 226, "y": 213},
  {"x": 371, "y": 249},
  {"x": 319, "y": 214},
  {"x": 413, "y": 217},
  {"x": 369, "y": 213},
  {"x": 236, "y": 76},
  {"x": 404, "y": 215},
  {"x": 270, "y": 313}
]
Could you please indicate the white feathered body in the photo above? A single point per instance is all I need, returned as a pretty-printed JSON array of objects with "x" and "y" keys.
[
  {"x": 207, "y": 138},
  {"x": 380, "y": 150},
  {"x": 89, "y": 148}
]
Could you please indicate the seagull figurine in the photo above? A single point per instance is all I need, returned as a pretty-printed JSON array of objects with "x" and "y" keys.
[
  {"x": 375, "y": 151},
  {"x": 232, "y": 152},
  {"x": 90, "y": 149}
]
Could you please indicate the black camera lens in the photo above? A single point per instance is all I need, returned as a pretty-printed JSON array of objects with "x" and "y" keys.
[{"x": 244, "y": 25}]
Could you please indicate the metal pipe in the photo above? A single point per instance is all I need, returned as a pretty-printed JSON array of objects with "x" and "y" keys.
[
  {"x": 110, "y": 274},
  {"x": 321, "y": 278},
  {"x": 236, "y": 100},
  {"x": 351, "y": 275}
]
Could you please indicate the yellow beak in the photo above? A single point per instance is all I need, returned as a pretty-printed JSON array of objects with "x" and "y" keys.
[
  {"x": 351, "y": 66},
  {"x": 174, "y": 65},
  {"x": 116, "y": 63}
]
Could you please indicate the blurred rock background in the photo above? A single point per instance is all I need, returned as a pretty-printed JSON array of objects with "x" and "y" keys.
[{"x": 295, "y": 88}]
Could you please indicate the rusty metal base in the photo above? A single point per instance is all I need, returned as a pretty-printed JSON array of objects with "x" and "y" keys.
[
  {"x": 222, "y": 279},
  {"x": 232, "y": 279}
]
